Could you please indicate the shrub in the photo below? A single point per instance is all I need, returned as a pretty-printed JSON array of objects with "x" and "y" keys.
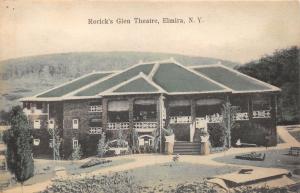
[
  {"x": 216, "y": 135},
  {"x": 77, "y": 153},
  {"x": 102, "y": 145},
  {"x": 94, "y": 162}
]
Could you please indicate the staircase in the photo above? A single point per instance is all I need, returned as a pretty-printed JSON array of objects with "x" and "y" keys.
[{"x": 186, "y": 148}]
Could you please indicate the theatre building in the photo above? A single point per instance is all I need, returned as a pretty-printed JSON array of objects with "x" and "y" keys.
[{"x": 146, "y": 97}]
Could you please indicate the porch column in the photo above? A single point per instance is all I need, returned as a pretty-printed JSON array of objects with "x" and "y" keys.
[
  {"x": 159, "y": 121},
  {"x": 130, "y": 115},
  {"x": 193, "y": 117},
  {"x": 250, "y": 110},
  {"x": 273, "y": 133},
  {"x": 104, "y": 113}
]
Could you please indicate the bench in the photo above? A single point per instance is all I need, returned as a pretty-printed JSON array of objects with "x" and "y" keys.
[{"x": 294, "y": 151}]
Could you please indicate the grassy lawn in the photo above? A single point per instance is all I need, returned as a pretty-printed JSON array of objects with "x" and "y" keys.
[
  {"x": 44, "y": 169},
  {"x": 274, "y": 158},
  {"x": 295, "y": 134},
  {"x": 174, "y": 173}
]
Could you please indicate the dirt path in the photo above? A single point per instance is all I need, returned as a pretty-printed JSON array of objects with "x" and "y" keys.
[{"x": 142, "y": 160}]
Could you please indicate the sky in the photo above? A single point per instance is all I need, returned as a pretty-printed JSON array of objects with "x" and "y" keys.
[{"x": 236, "y": 31}]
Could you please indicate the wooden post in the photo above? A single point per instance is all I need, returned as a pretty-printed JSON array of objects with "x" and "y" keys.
[
  {"x": 193, "y": 117},
  {"x": 104, "y": 113},
  {"x": 130, "y": 114}
]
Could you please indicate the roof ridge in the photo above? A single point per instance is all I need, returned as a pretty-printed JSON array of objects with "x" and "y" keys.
[
  {"x": 112, "y": 75},
  {"x": 154, "y": 70},
  {"x": 140, "y": 75},
  {"x": 205, "y": 65}
]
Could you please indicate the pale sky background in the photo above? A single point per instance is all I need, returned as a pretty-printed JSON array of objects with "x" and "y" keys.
[{"x": 236, "y": 31}]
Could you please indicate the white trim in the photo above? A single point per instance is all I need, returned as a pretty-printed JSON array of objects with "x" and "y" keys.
[
  {"x": 203, "y": 92},
  {"x": 140, "y": 75},
  {"x": 204, "y": 65},
  {"x": 272, "y": 88},
  {"x": 154, "y": 70}
]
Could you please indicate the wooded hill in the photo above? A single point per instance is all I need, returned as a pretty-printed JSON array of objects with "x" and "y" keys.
[
  {"x": 282, "y": 70},
  {"x": 28, "y": 76}
]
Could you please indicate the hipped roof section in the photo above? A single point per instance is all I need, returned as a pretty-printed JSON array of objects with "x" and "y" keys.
[
  {"x": 237, "y": 81},
  {"x": 168, "y": 77}
]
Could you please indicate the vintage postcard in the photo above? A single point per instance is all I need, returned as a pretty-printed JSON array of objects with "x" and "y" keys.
[{"x": 149, "y": 96}]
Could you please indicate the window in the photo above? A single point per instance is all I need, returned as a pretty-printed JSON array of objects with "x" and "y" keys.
[
  {"x": 36, "y": 142},
  {"x": 37, "y": 124},
  {"x": 75, "y": 143},
  {"x": 75, "y": 124}
]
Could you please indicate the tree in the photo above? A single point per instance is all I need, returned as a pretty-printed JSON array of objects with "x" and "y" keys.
[
  {"x": 102, "y": 147},
  {"x": 282, "y": 70},
  {"x": 56, "y": 142},
  {"x": 228, "y": 114},
  {"x": 19, "y": 146},
  {"x": 77, "y": 153}
]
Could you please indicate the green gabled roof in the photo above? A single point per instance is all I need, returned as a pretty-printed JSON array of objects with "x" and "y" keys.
[
  {"x": 115, "y": 80},
  {"x": 175, "y": 78},
  {"x": 233, "y": 79},
  {"x": 74, "y": 85},
  {"x": 137, "y": 86}
]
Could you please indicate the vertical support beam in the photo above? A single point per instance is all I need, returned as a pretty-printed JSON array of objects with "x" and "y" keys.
[
  {"x": 104, "y": 113},
  {"x": 159, "y": 119},
  {"x": 229, "y": 121},
  {"x": 193, "y": 116},
  {"x": 130, "y": 111},
  {"x": 273, "y": 132},
  {"x": 250, "y": 110}
]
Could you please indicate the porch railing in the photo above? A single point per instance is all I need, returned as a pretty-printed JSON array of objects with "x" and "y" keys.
[
  {"x": 34, "y": 111},
  {"x": 118, "y": 125},
  {"x": 95, "y": 130},
  {"x": 145, "y": 126},
  {"x": 262, "y": 114},
  {"x": 180, "y": 119},
  {"x": 241, "y": 116}
]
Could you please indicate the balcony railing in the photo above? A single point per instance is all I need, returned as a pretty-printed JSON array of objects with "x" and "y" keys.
[
  {"x": 241, "y": 116},
  {"x": 262, "y": 114},
  {"x": 145, "y": 126},
  {"x": 118, "y": 125},
  {"x": 34, "y": 111},
  {"x": 180, "y": 119}
]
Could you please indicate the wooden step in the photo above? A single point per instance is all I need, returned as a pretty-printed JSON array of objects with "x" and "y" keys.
[{"x": 186, "y": 148}]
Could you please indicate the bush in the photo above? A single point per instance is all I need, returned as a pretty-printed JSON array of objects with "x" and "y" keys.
[
  {"x": 77, "y": 153},
  {"x": 94, "y": 162},
  {"x": 216, "y": 135},
  {"x": 118, "y": 182}
]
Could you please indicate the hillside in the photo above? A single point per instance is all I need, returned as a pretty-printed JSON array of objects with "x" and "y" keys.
[
  {"x": 282, "y": 70},
  {"x": 30, "y": 75}
]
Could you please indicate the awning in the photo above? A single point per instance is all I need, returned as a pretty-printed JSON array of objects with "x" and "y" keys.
[
  {"x": 208, "y": 102},
  {"x": 145, "y": 102},
  {"x": 121, "y": 105},
  {"x": 182, "y": 102}
]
